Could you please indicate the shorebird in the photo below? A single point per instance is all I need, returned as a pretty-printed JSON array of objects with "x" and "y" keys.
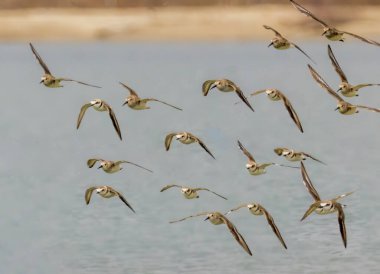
[
  {"x": 105, "y": 192},
  {"x": 185, "y": 138},
  {"x": 217, "y": 218},
  {"x": 345, "y": 87},
  {"x": 343, "y": 106},
  {"x": 280, "y": 42},
  {"x": 224, "y": 85},
  {"x": 323, "y": 207},
  {"x": 293, "y": 156},
  {"x": 48, "y": 79},
  {"x": 191, "y": 193},
  {"x": 100, "y": 105},
  {"x": 111, "y": 166},
  {"x": 136, "y": 103},
  {"x": 330, "y": 32},
  {"x": 257, "y": 209},
  {"x": 253, "y": 167},
  {"x": 276, "y": 95}
]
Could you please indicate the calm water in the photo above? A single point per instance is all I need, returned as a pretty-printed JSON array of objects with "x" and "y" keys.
[{"x": 47, "y": 227}]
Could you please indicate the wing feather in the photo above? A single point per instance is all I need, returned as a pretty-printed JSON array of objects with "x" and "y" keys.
[
  {"x": 273, "y": 226},
  {"x": 308, "y": 184}
]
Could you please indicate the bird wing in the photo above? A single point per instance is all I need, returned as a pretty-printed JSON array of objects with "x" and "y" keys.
[
  {"x": 238, "y": 237},
  {"x": 92, "y": 162},
  {"x": 291, "y": 110},
  {"x": 206, "y": 86},
  {"x": 273, "y": 225},
  {"x": 343, "y": 195},
  {"x": 88, "y": 194},
  {"x": 79, "y": 82},
  {"x": 246, "y": 152},
  {"x": 258, "y": 92},
  {"x": 239, "y": 92},
  {"x": 156, "y": 100},
  {"x": 131, "y": 91},
  {"x": 199, "y": 141},
  {"x": 191, "y": 216},
  {"x": 124, "y": 201},
  {"x": 168, "y": 140},
  {"x": 308, "y": 184},
  {"x": 201, "y": 188},
  {"x": 323, "y": 84},
  {"x": 312, "y": 157},
  {"x": 272, "y": 29},
  {"x": 82, "y": 112},
  {"x": 342, "y": 226},
  {"x": 336, "y": 65},
  {"x": 304, "y": 53},
  {"x": 39, "y": 59},
  {"x": 362, "y": 38},
  {"x": 308, "y": 13},
  {"x": 369, "y": 108},
  {"x": 113, "y": 119},
  {"x": 127, "y": 162},
  {"x": 364, "y": 85},
  {"x": 169, "y": 186},
  {"x": 310, "y": 210}
]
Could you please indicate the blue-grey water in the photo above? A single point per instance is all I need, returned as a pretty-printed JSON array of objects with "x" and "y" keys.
[{"x": 46, "y": 227}]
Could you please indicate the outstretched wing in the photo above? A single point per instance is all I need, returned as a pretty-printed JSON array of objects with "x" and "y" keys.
[
  {"x": 272, "y": 29},
  {"x": 312, "y": 157},
  {"x": 364, "y": 85},
  {"x": 310, "y": 210},
  {"x": 246, "y": 152},
  {"x": 200, "y": 188},
  {"x": 304, "y": 53},
  {"x": 239, "y": 92},
  {"x": 191, "y": 216},
  {"x": 39, "y": 59},
  {"x": 206, "y": 86},
  {"x": 79, "y": 82},
  {"x": 336, "y": 65},
  {"x": 308, "y": 13},
  {"x": 92, "y": 162},
  {"x": 131, "y": 91},
  {"x": 343, "y": 195},
  {"x": 323, "y": 84},
  {"x": 369, "y": 41},
  {"x": 168, "y": 140},
  {"x": 169, "y": 186},
  {"x": 113, "y": 119},
  {"x": 369, "y": 108},
  {"x": 238, "y": 237},
  {"x": 202, "y": 145},
  {"x": 155, "y": 100},
  {"x": 125, "y": 201},
  {"x": 88, "y": 194},
  {"x": 309, "y": 185},
  {"x": 342, "y": 225},
  {"x": 273, "y": 225},
  {"x": 236, "y": 208},
  {"x": 127, "y": 162},
  {"x": 291, "y": 110},
  {"x": 82, "y": 112}
]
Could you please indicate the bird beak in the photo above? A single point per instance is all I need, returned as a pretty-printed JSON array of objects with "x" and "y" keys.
[
  {"x": 336, "y": 108},
  {"x": 100, "y": 167},
  {"x": 324, "y": 33},
  {"x": 41, "y": 81},
  {"x": 126, "y": 102},
  {"x": 271, "y": 44},
  {"x": 206, "y": 219},
  {"x": 212, "y": 86},
  {"x": 340, "y": 89}
]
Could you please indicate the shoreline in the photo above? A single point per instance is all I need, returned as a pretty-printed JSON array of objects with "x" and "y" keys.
[{"x": 181, "y": 23}]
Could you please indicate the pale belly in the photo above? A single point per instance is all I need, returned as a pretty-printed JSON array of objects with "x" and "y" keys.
[
  {"x": 351, "y": 110},
  {"x": 140, "y": 106},
  {"x": 191, "y": 195},
  {"x": 349, "y": 92},
  {"x": 325, "y": 209},
  {"x": 335, "y": 36},
  {"x": 102, "y": 108},
  {"x": 226, "y": 89},
  {"x": 257, "y": 171},
  {"x": 282, "y": 47},
  {"x": 112, "y": 170},
  {"x": 187, "y": 141},
  {"x": 107, "y": 195},
  {"x": 52, "y": 84},
  {"x": 216, "y": 221},
  {"x": 295, "y": 158}
]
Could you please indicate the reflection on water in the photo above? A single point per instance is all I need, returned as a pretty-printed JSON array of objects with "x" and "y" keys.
[{"x": 47, "y": 227}]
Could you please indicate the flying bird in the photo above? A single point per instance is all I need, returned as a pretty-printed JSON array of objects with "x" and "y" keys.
[
  {"x": 105, "y": 192},
  {"x": 100, "y": 105},
  {"x": 257, "y": 210},
  {"x": 136, "y": 103},
  {"x": 111, "y": 166},
  {"x": 345, "y": 87},
  {"x": 191, "y": 193},
  {"x": 293, "y": 155},
  {"x": 330, "y": 32},
  {"x": 224, "y": 85},
  {"x": 323, "y": 207},
  {"x": 185, "y": 138},
  {"x": 48, "y": 79},
  {"x": 344, "y": 107},
  {"x": 217, "y": 218},
  {"x": 280, "y": 42}
]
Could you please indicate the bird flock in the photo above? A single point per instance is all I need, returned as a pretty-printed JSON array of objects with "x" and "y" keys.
[{"x": 254, "y": 168}]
